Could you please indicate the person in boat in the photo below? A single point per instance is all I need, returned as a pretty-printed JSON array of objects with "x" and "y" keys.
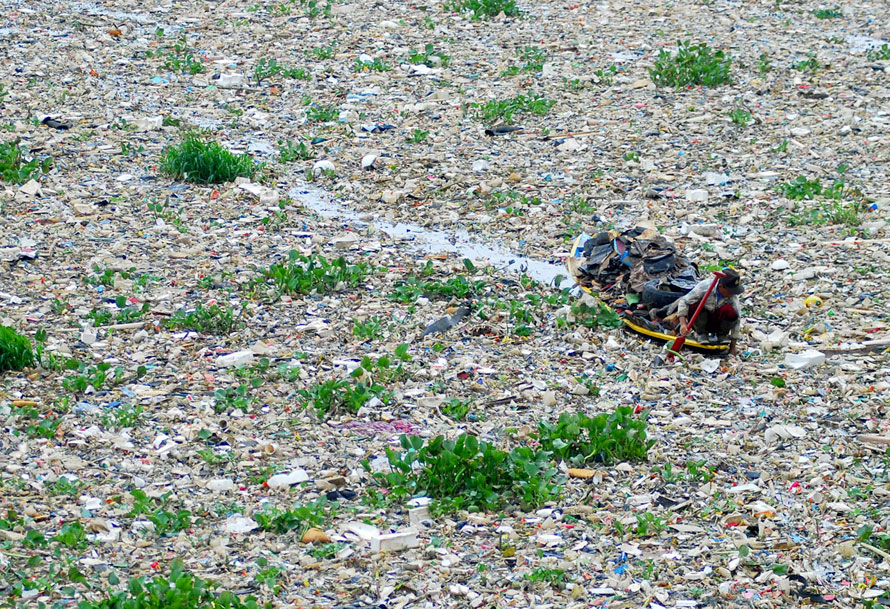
[{"x": 721, "y": 316}]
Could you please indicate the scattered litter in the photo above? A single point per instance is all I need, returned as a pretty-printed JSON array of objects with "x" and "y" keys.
[{"x": 244, "y": 355}]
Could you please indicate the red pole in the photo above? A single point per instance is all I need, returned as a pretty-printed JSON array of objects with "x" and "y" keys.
[{"x": 678, "y": 343}]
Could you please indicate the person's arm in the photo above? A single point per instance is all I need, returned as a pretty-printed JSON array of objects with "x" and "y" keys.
[
  {"x": 734, "y": 331},
  {"x": 694, "y": 295}
]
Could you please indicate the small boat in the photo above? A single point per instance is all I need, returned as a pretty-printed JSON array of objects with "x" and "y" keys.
[{"x": 632, "y": 320}]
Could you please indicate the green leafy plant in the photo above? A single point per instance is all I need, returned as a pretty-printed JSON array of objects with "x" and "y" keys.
[
  {"x": 372, "y": 329},
  {"x": 99, "y": 317},
  {"x": 801, "y": 188},
  {"x": 205, "y": 320},
  {"x": 268, "y": 576},
  {"x": 130, "y": 150},
  {"x": 740, "y": 116},
  {"x": 45, "y": 429},
  {"x": 288, "y": 152},
  {"x": 339, "y": 395},
  {"x": 322, "y": 52},
  {"x": 763, "y": 64},
  {"x": 181, "y": 590},
  {"x": 479, "y": 9},
  {"x": 90, "y": 376},
  {"x": 576, "y": 84},
  {"x": 466, "y": 473},
  {"x": 375, "y": 65},
  {"x": 278, "y": 219},
  {"x": 72, "y": 535},
  {"x": 34, "y": 539},
  {"x": 13, "y": 167},
  {"x": 299, "y": 518},
  {"x": 168, "y": 214},
  {"x": 649, "y": 524},
  {"x": 837, "y": 212},
  {"x": 318, "y": 113},
  {"x": 234, "y": 398},
  {"x": 550, "y": 576},
  {"x": 606, "y": 75},
  {"x": 700, "y": 471},
  {"x": 130, "y": 313},
  {"x": 590, "y": 316},
  {"x": 296, "y": 73},
  {"x": 15, "y": 350},
  {"x": 327, "y": 550},
  {"x": 313, "y": 9},
  {"x": 603, "y": 438},
  {"x": 418, "y": 136},
  {"x": 202, "y": 162},
  {"x": 879, "y": 54},
  {"x": 282, "y": 9},
  {"x": 456, "y": 409},
  {"x": 505, "y": 110},
  {"x": 66, "y": 486},
  {"x": 179, "y": 58},
  {"x": 213, "y": 458},
  {"x": 532, "y": 59},
  {"x": 692, "y": 64},
  {"x": 827, "y": 13},
  {"x": 143, "y": 504},
  {"x": 866, "y": 534},
  {"x": 429, "y": 57},
  {"x": 265, "y": 69},
  {"x": 169, "y": 523},
  {"x": 100, "y": 276},
  {"x": 457, "y": 288},
  {"x": 810, "y": 64},
  {"x": 307, "y": 274},
  {"x": 123, "y": 417}
]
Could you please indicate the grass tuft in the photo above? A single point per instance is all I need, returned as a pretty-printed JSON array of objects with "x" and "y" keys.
[
  {"x": 15, "y": 350},
  {"x": 201, "y": 162}
]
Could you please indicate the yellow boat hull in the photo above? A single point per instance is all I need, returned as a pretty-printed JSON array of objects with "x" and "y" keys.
[{"x": 576, "y": 248}]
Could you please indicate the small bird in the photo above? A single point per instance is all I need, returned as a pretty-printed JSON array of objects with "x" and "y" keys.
[
  {"x": 502, "y": 130},
  {"x": 53, "y": 123},
  {"x": 447, "y": 322}
]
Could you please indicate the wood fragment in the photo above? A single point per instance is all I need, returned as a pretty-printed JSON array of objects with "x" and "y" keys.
[
  {"x": 559, "y": 136},
  {"x": 874, "y": 439},
  {"x": 20, "y": 403},
  {"x": 877, "y": 551}
]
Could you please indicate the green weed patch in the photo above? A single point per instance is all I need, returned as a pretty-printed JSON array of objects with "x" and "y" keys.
[
  {"x": 692, "y": 64},
  {"x": 467, "y": 473},
  {"x": 603, "y": 438},
  {"x": 201, "y": 162}
]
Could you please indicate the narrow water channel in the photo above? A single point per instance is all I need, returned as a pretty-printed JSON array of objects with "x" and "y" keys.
[{"x": 432, "y": 241}]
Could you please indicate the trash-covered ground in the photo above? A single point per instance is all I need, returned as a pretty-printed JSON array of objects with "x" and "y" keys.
[{"x": 220, "y": 368}]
